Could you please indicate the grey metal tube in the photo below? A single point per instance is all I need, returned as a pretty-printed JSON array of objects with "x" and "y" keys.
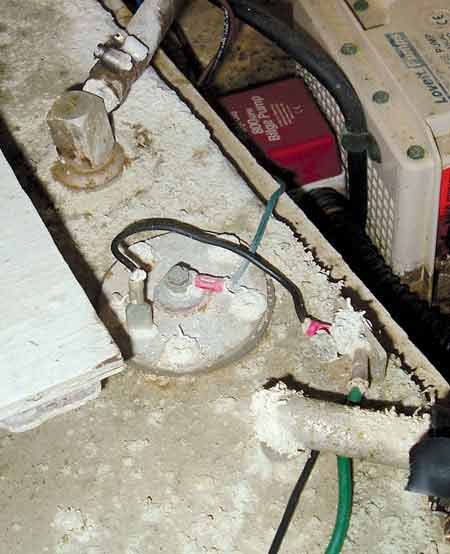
[
  {"x": 288, "y": 422},
  {"x": 110, "y": 79},
  {"x": 152, "y": 20}
]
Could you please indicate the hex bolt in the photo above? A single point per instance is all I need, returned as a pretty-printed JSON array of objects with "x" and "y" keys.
[
  {"x": 178, "y": 278},
  {"x": 81, "y": 130},
  {"x": 99, "y": 50},
  {"x": 381, "y": 97},
  {"x": 349, "y": 49},
  {"x": 361, "y": 5},
  {"x": 416, "y": 152}
]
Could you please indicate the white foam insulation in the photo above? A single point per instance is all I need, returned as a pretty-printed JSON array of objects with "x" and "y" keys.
[{"x": 174, "y": 465}]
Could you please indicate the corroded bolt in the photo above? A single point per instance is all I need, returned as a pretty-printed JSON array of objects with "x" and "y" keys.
[
  {"x": 81, "y": 130},
  {"x": 416, "y": 152},
  {"x": 349, "y": 49},
  {"x": 178, "y": 278}
]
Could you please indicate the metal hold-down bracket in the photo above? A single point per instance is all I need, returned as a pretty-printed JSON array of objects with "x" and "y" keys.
[
  {"x": 121, "y": 61},
  {"x": 79, "y": 122}
]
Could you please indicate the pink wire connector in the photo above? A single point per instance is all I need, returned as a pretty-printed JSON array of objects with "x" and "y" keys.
[
  {"x": 206, "y": 282},
  {"x": 312, "y": 326}
]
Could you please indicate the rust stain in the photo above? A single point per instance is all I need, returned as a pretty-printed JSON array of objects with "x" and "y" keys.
[
  {"x": 199, "y": 153},
  {"x": 142, "y": 136}
]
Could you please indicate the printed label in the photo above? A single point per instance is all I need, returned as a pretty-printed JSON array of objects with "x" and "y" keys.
[
  {"x": 440, "y": 45},
  {"x": 258, "y": 120},
  {"x": 411, "y": 58}
]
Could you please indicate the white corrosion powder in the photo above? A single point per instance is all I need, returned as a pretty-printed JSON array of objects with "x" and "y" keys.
[
  {"x": 269, "y": 428},
  {"x": 348, "y": 330},
  {"x": 345, "y": 336}
]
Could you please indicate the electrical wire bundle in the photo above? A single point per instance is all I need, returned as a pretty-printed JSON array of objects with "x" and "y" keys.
[
  {"x": 427, "y": 327},
  {"x": 207, "y": 237}
]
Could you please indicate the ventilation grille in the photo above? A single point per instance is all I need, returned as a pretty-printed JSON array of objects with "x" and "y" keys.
[{"x": 380, "y": 211}]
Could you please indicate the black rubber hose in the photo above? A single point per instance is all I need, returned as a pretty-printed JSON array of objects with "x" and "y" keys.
[
  {"x": 427, "y": 327},
  {"x": 305, "y": 50},
  {"x": 206, "y": 237}
]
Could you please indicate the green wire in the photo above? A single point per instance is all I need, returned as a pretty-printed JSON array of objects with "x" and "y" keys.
[
  {"x": 259, "y": 231},
  {"x": 266, "y": 216},
  {"x": 344, "y": 508},
  {"x": 354, "y": 396}
]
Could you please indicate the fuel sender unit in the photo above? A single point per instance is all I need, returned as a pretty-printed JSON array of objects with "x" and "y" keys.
[{"x": 180, "y": 312}]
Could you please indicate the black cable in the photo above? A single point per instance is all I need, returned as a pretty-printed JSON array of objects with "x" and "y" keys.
[
  {"x": 226, "y": 41},
  {"x": 293, "y": 502},
  {"x": 301, "y": 46},
  {"x": 206, "y": 237},
  {"x": 193, "y": 67}
]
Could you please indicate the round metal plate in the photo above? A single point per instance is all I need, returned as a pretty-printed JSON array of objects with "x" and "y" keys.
[{"x": 225, "y": 327}]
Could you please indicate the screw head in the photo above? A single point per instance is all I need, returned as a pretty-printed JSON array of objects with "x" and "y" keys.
[
  {"x": 178, "y": 278},
  {"x": 381, "y": 97},
  {"x": 361, "y": 5},
  {"x": 99, "y": 51},
  {"x": 349, "y": 49},
  {"x": 416, "y": 152},
  {"x": 119, "y": 38}
]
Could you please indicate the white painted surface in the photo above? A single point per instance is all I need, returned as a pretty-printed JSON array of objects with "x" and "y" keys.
[{"x": 50, "y": 336}]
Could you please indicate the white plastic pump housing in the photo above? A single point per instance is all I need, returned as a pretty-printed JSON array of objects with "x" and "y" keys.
[{"x": 402, "y": 48}]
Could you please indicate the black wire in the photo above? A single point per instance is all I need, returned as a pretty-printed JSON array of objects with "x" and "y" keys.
[
  {"x": 206, "y": 237},
  {"x": 193, "y": 64},
  {"x": 301, "y": 46},
  {"x": 293, "y": 502},
  {"x": 305, "y": 50},
  {"x": 208, "y": 74}
]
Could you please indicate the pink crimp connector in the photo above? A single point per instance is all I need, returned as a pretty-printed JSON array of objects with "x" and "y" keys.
[
  {"x": 206, "y": 282},
  {"x": 314, "y": 326}
]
